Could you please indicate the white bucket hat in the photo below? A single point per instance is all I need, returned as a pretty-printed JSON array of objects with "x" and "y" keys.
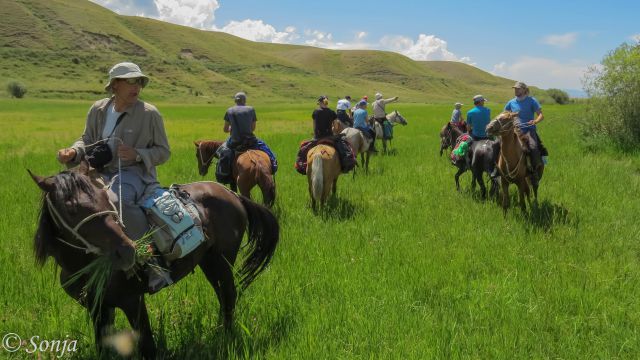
[
  {"x": 378, "y": 96},
  {"x": 125, "y": 70}
]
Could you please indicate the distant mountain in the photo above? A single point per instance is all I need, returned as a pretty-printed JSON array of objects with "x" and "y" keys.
[
  {"x": 576, "y": 93},
  {"x": 64, "y": 48}
]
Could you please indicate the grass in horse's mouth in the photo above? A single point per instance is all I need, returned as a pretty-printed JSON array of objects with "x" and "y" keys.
[{"x": 97, "y": 275}]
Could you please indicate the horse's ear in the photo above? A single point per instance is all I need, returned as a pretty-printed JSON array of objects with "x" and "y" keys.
[
  {"x": 197, "y": 143},
  {"x": 84, "y": 167},
  {"x": 46, "y": 184}
]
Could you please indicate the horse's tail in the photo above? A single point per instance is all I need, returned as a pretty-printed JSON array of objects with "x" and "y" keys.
[
  {"x": 317, "y": 177},
  {"x": 263, "y": 236},
  {"x": 266, "y": 181}
]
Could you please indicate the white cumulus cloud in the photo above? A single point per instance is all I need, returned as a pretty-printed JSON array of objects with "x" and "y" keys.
[
  {"x": 257, "y": 30},
  {"x": 426, "y": 47},
  {"x": 194, "y": 13},
  {"x": 199, "y": 14},
  {"x": 562, "y": 41},
  {"x": 543, "y": 72}
]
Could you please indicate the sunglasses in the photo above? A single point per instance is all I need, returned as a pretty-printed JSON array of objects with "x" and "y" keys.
[{"x": 134, "y": 81}]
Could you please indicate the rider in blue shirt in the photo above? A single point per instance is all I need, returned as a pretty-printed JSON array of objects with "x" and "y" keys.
[
  {"x": 360, "y": 123},
  {"x": 529, "y": 114},
  {"x": 478, "y": 118}
]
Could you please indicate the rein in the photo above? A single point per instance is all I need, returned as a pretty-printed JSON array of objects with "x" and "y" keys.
[
  {"x": 208, "y": 162},
  {"x": 59, "y": 221},
  {"x": 510, "y": 173}
]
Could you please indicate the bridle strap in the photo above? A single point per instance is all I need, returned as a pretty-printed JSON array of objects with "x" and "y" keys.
[
  {"x": 59, "y": 221},
  {"x": 208, "y": 162}
]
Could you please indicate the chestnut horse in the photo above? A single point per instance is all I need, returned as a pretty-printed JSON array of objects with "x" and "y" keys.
[
  {"x": 251, "y": 168},
  {"x": 512, "y": 162},
  {"x": 323, "y": 169},
  {"x": 78, "y": 226}
]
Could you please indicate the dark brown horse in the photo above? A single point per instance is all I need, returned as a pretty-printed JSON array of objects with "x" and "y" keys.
[
  {"x": 78, "y": 225},
  {"x": 512, "y": 162},
  {"x": 251, "y": 168},
  {"x": 481, "y": 158},
  {"x": 448, "y": 135}
]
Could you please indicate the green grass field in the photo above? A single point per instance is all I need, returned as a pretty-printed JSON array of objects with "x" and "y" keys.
[{"x": 400, "y": 265}]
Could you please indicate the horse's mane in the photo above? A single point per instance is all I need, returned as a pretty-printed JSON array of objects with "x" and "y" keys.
[
  {"x": 67, "y": 186},
  {"x": 208, "y": 147}
]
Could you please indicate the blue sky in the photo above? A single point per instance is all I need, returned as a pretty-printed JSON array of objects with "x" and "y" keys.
[{"x": 544, "y": 43}]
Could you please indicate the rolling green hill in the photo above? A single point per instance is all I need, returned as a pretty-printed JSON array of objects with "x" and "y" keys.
[{"x": 64, "y": 48}]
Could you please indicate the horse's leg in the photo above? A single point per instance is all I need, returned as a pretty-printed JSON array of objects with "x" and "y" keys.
[
  {"x": 136, "y": 311},
  {"x": 245, "y": 185},
  {"x": 505, "y": 195},
  {"x": 478, "y": 177},
  {"x": 384, "y": 146},
  {"x": 523, "y": 189},
  {"x": 102, "y": 320},
  {"x": 366, "y": 162},
  {"x": 233, "y": 186},
  {"x": 461, "y": 170},
  {"x": 219, "y": 274}
]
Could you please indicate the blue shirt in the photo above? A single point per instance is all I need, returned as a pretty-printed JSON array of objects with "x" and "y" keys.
[
  {"x": 526, "y": 110},
  {"x": 360, "y": 119},
  {"x": 478, "y": 118}
]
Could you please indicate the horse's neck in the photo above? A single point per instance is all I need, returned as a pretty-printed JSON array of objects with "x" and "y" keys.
[{"x": 510, "y": 144}]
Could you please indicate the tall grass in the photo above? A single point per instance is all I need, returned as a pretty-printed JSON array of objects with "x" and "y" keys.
[{"x": 399, "y": 265}]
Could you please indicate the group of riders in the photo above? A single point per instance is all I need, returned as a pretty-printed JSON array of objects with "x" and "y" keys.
[
  {"x": 347, "y": 116},
  {"x": 529, "y": 115},
  {"x": 125, "y": 139}
]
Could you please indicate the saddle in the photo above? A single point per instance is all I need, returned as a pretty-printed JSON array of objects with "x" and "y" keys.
[
  {"x": 461, "y": 148},
  {"x": 345, "y": 153}
]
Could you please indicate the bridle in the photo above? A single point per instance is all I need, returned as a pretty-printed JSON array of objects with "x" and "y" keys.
[
  {"x": 60, "y": 223},
  {"x": 208, "y": 162},
  {"x": 502, "y": 131}
]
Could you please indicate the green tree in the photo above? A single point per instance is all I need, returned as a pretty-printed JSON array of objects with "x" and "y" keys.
[
  {"x": 613, "y": 110},
  {"x": 559, "y": 96},
  {"x": 16, "y": 89}
]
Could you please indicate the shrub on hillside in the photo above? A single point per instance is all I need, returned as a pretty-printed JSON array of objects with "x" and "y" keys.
[
  {"x": 16, "y": 89},
  {"x": 613, "y": 110},
  {"x": 559, "y": 96}
]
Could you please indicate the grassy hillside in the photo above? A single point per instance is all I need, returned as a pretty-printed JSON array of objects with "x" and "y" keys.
[{"x": 63, "y": 48}]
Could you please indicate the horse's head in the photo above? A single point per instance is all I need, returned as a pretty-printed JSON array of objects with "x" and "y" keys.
[
  {"x": 205, "y": 152},
  {"x": 505, "y": 121},
  {"x": 397, "y": 118},
  {"x": 78, "y": 217}
]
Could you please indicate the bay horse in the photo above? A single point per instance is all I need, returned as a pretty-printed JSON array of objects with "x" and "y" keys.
[
  {"x": 448, "y": 135},
  {"x": 250, "y": 168},
  {"x": 512, "y": 162},
  {"x": 394, "y": 118},
  {"x": 78, "y": 225},
  {"x": 323, "y": 169},
  {"x": 360, "y": 145}
]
